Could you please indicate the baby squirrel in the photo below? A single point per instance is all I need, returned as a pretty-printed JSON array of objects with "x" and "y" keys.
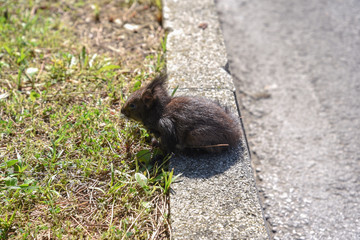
[{"x": 182, "y": 123}]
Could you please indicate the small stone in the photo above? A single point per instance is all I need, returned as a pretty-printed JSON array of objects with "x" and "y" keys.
[
  {"x": 131, "y": 27},
  {"x": 118, "y": 21},
  {"x": 203, "y": 26}
]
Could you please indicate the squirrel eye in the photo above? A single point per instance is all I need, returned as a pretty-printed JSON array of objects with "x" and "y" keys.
[{"x": 132, "y": 106}]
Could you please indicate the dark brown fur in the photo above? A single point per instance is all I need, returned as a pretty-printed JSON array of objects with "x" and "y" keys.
[{"x": 182, "y": 123}]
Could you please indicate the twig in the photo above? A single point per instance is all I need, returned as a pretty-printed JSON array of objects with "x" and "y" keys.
[
  {"x": 155, "y": 234},
  {"x": 162, "y": 217},
  {"x": 41, "y": 69},
  {"x": 110, "y": 146},
  {"x": 123, "y": 237},
  {"x": 125, "y": 16},
  {"x": 91, "y": 194},
  {"x": 81, "y": 226},
  {"x": 27, "y": 76},
  {"x": 112, "y": 214},
  {"x": 114, "y": 49}
]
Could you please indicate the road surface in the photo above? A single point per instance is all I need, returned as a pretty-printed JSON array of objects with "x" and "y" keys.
[{"x": 296, "y": 66}]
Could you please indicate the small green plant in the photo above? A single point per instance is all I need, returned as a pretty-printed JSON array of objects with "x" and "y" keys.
[
  {"x": 96, "y": 12},
  {"x": 5, "y": 224},
  {"x": 163, "y": 43}
]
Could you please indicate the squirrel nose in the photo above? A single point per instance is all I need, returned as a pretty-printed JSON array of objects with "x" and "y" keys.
[{"x": 123, "y": 111}]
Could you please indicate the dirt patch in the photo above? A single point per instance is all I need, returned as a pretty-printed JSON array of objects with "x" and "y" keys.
[{"x": 129, "y": 34}]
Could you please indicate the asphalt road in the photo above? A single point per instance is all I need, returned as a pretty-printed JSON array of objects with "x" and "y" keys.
[{"x": 296, "y": 66}]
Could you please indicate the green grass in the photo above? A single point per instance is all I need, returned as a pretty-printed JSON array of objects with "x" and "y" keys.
[{"x": 70, "y": 166}]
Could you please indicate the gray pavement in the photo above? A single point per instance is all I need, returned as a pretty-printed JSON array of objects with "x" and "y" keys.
[
  {"x": 215, "y": 197},
  {"x": 296, "y": 66}
]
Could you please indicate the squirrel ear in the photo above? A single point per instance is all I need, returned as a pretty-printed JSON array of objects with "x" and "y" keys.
[{"x": 147, "y": 98}]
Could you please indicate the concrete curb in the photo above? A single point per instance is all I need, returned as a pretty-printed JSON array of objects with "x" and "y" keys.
[{"x": 216, "y": 196}]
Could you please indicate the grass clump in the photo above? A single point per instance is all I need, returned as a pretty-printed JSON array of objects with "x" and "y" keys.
[{"x": 70, "y": 167}]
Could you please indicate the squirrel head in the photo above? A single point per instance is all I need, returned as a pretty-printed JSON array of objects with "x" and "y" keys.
[{"x": 142, "y": 101}]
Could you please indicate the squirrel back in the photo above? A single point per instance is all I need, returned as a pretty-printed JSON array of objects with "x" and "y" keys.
[{"x": 182, "y": 123}]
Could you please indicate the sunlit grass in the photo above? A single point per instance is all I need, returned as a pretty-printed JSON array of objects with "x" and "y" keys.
[{"x": 70, "y": 166}]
